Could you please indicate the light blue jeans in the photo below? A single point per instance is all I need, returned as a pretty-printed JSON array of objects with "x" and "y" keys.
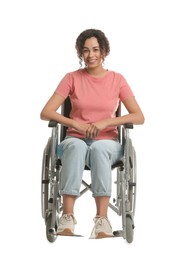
[{"x": 98, "y": 155}]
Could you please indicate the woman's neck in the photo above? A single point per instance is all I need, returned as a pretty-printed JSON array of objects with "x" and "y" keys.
[{"x": 96, "y": 72}]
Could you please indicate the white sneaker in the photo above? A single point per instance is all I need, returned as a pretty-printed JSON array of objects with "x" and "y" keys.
[
  {"x": 66, "y": 225},
  {"x": 102, "y": 228}
]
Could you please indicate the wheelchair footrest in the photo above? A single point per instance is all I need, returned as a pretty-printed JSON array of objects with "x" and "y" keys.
[{"x": 74, "y": 235}]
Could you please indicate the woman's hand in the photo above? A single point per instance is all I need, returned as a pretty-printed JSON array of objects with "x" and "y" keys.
[
  {"x": 95, "y": 128},
  {"x": 80, "y": 127},
  {"x": 91, "y": 131}
]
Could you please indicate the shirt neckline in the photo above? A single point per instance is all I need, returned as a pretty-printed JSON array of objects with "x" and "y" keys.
[{"x": 93, "y": 77}]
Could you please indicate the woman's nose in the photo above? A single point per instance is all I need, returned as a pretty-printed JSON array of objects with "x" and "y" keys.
[{"x": 90, "y": 53}]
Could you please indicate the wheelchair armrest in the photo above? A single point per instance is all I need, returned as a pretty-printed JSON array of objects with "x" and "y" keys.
[
  {"x": 52, "y": 123},
  {"x": 128, "y": 125}
]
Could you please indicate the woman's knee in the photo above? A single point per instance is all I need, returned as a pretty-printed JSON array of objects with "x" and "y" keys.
[
  {"x": 98, "y": 150},
  {"x": 74, "y": 145},
  {"x": 104, "y": 153}
]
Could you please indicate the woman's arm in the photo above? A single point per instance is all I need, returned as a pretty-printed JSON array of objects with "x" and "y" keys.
[
  {"x": 135, "y": 116},
  {"x": 49, "y": 112}
]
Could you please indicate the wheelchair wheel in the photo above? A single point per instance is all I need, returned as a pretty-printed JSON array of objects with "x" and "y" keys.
[
  {"x": 50, "y": 234},
  {"x": 45, "y": 179},
  {"x": 129, "y": 229},
  {"x": 133, "y": 179}
]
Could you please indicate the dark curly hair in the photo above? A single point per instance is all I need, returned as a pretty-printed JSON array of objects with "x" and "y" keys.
[{"x": 101, "y": 38}]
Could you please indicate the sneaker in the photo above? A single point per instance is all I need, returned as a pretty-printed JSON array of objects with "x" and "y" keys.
[
  {"x": 102, "y": 228},
  {"x": 66, "y": 225}
]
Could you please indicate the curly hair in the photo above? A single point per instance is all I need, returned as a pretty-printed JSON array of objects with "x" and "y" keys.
[{"x": 101, "y": 38}]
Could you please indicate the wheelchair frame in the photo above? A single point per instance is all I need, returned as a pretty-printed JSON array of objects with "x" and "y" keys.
[{"x": 51, "y": 199}]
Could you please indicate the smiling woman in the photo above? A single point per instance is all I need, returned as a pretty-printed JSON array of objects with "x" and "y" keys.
[
  {"x": 37, "y": 49},
  {"x": 93, "y": 41},
  {"x": 92, "y": 135}
]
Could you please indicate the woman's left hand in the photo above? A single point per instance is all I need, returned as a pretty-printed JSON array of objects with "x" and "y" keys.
[{"x": 95, "y": 128}]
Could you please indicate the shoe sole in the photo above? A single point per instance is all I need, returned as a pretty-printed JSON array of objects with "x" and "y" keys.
[
  {"x": 66, "y": 232},
  {"x": 103, "y": 235}
]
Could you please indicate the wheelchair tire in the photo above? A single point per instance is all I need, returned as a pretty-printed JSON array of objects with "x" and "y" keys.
[
  {"x": 133, "y": 179},
  {"x": 50, "y": 235},
  {"x": 129, "y": 229},
  {"x": 45, "y": 179}
]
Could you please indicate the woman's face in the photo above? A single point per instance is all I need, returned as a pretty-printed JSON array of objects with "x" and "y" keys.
[{"x": 91, "y": 53}]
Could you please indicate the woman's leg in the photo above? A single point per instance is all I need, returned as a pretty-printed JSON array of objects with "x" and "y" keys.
[
  {"x": 102, "y": 203},
  {"x": 73, "y": 157},
  {"x": 74, "y": 152},
  {"x": 101, "y": 156},
  {"x": 68, "y": 204}
]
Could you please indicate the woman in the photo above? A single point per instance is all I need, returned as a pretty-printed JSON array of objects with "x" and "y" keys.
[{"x": 92, "y": 138}]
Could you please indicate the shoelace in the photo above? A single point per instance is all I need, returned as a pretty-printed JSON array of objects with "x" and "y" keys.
[
  {"x": 100, "y": 221},
  {"x": 69, "y": 217}
]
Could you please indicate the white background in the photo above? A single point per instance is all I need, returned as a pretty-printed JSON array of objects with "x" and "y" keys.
[{"x": 37, "y": 47}]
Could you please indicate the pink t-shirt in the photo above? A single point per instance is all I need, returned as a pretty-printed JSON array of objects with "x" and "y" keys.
[{"x": 94, "y": 99}]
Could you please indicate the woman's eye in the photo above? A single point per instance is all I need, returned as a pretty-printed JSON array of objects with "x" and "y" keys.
[{"x": 85, "y": 51}]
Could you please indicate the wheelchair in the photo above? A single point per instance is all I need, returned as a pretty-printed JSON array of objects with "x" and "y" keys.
[{"x": 125, "y": 182}]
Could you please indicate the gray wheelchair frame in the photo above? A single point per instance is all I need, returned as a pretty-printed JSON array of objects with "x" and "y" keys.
[{"x": 51, "y": 199}]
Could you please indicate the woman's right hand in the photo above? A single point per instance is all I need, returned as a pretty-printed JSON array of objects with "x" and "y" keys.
[{"x": 81, "y": 127}]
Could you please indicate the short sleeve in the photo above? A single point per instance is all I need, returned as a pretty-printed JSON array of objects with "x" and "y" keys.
[
  {"x": 125, "y": 89},
  {"x": 64, "y": 88}
]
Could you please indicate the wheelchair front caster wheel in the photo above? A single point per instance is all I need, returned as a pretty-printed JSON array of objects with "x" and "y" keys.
[
  {"x": 50, "y": 232},
  {"x": 129, "y": 229}
]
